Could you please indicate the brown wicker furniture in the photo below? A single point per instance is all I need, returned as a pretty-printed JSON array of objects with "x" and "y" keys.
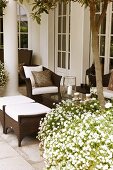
[
  {"x": 8, "y": 100},
  {"x": 21, "y": 114},
  {"x": 23, "y": 118},
  {"x": 24, "y": 58},
  {"x": 37, "y": 95}
]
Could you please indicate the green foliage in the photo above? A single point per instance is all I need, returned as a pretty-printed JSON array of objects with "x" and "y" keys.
[
  {"x": 78, "y": 136},
  {"x": 44, "y": 6},
  {"x": 3, "y": 3},
  {"x": 3, "y": 75}
]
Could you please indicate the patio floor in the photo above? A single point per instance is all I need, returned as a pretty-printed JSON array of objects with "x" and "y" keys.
[{"x": 26, "y": 157}]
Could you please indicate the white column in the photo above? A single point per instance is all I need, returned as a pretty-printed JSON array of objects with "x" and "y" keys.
[{"x": 11, "y": 46}]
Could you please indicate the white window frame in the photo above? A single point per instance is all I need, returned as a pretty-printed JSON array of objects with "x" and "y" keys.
[
  {"x": 63, "y": 71},
  {"x": 19, "y": 19}
]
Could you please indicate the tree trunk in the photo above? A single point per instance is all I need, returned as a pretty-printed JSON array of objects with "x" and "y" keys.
[{"x": 95, "y": 50}]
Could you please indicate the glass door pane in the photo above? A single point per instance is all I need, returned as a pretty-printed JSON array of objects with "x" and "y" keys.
[{"x": 63, "y": 36}]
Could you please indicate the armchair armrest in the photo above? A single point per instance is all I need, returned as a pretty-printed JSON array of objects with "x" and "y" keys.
[
  {"x": 28, "y": 87},
  {"x": 56, "y": 79}
]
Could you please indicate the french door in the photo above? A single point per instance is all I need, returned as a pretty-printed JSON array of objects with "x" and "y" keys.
[
  {"x": 62, "y": 38},
  {"x": 106, "y": 38}
]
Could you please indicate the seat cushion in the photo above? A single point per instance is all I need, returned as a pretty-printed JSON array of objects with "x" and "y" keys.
[
  {"x": 43, "y": 90},
  {"x": 25, "y": 109},
  {"x": 42, "y": 78},
  {"x": 14, "y": 100},
  {"x": 107, "y": 93},
  {"x": 28, "y": 72}
]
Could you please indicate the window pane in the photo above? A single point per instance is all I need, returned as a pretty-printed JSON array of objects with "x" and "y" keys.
[
  {"x": 111, "y": 47},
  {"x": 24, "y": 40},
  {"x": 103, "y": 26},
  {"x": 59, "y": 8},
  {"x": 69, "y": 43},
  {"x": 1, "y": 24},
  {"x": 102, "y": 46},
  {"x": 111, "y": 64},
  {"x": 24, "y": 26},
  {"x": 59, "y": 59},
  {"x": 1, "y": 40},
  {"x": 18, "y": 42},
  {"x": 63, "y": 42},
  {"x": 64, "y": 8},
  {"x": 112, "y": 25},
  {"x": 63, "y": 60},
  {"x": 18, "y": 25},
  {"x": 22, "y": 23},
  {"x": 64, "y": 24},
  {"x": 59, "y": 42},
  {"x": 59, "y": 24},
  {"x": 69, "y": 23}
]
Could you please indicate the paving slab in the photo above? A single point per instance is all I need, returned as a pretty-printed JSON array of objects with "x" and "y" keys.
[
  {"x": 6, "y": 151},
  {"x": 15, "y": 163}
]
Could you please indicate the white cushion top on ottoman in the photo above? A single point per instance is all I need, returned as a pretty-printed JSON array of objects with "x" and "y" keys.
[
  {"x": 25, "y": 109},
  {"x": 7, "y": 100}
]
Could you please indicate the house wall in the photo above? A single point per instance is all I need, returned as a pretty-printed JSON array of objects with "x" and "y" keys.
[
  {"x": 79, "y": 42},
  {"x": 77, "y": 16},
  {"x": 33, "y": 35},
  {"x": 42, "y": 41}
]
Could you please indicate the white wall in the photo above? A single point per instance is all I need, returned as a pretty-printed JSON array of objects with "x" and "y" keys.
[
  {"x": 86, "y": 44},
  {"x": 42, "y": 46},
  {"x": 33, "y": 35},
  {"x": 42, "y": 38},
  {"x": 77, "y": 16},
  {"x": 51, "y": 29},
  {"x": 79, "y": 42}
]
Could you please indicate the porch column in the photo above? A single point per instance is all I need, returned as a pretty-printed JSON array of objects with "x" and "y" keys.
[{"x": 11, "y": 47}]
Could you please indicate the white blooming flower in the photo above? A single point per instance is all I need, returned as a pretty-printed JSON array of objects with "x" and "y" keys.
[
  {"x": 108, "y": 105},
  {"x": 3, "y": 75},
  {"x": 78, "y": 136}
]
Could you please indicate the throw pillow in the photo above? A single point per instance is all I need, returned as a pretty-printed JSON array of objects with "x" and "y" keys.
[
  {"x": 110, "y": 85},
  {"x": 42, "y": 78},
  {"x": 28, "y": 72}
]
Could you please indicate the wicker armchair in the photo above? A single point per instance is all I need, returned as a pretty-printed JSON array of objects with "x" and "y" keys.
[
  {"x": 90, "y": 72},
  {"x": 37, "y": 92}
]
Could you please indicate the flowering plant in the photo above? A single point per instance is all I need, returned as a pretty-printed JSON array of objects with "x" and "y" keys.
[
  {"x": 78, "y": 137},
  {"x": 3, "y": 75}
]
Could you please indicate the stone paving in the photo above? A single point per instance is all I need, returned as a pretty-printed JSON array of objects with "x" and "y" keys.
[{"x": 26, "y": 157}]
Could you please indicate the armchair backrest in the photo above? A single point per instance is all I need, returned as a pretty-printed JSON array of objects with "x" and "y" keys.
[{"x": 55, "y": 78}]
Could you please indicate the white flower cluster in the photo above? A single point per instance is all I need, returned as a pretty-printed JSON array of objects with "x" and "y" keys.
[
  {"x": 3, "y": 75},
  {"x": 78, "y": 137},
  {"x": 93, "y": 91}
]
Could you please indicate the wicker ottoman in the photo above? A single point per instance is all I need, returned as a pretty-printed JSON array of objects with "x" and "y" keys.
[
  {"x": 23, "y": 118},
  {"x": 8, "y": 100}
]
